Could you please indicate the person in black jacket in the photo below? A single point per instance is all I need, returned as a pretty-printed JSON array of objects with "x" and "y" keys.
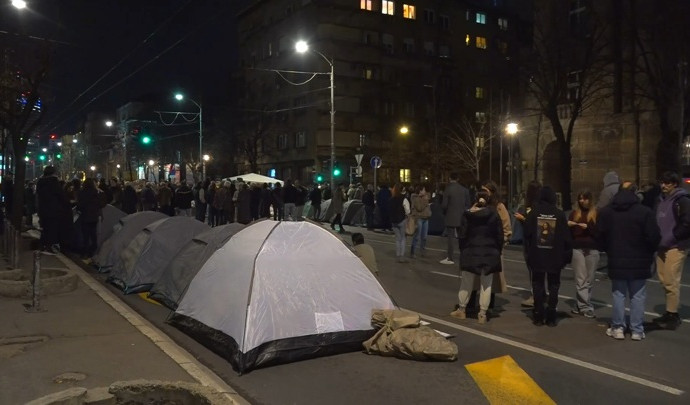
[
  {"x": 481, "y": 243},
  {"x": 89, "y": 207},
  {"x": 548, "y": 248},
  {"x": 369, "y": 203},
  {"x": 129, "y": 199},
  {"x": 315, "y": 198},
  {"x": 627, "y": 231},
  {"x": 54, "y": 210}
]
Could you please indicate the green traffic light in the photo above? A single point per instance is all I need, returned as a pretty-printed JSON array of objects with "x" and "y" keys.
[
  {"x": 146, "y": 140},
  {"x": 336, "y": 171},
  {"x": 59, "y": 156},
  {"x": 319, "y": 178},
  {"x": 41, "y": 157}
]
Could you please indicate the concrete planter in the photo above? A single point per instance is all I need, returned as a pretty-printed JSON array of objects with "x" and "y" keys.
[{"x": 16, "y": 283}]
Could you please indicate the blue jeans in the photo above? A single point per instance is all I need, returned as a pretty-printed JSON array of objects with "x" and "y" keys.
[
  {"x": 420, "y": 234},
  {"x": 637, "y": 291},
  {"x": 399, "y": 231}
]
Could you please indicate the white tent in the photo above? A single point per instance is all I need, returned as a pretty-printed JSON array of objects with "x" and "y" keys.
[
  {"x": 278, "y": 292},
  {"x": 255, "y": 178}
]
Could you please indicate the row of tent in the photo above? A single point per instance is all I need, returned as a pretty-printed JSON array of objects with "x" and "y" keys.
[{"x": 265, "y": 293}]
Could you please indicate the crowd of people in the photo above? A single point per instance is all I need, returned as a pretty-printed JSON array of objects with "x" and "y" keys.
[{"x": 642, "y": 232}]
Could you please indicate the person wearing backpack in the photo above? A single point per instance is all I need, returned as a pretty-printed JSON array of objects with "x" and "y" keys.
[{"x": 673, "y": 218}]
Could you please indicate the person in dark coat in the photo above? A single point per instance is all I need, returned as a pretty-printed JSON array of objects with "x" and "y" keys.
[
  {"x": 277, "y": 201},
  {"x": 456, "y": 199},
  {"x": 30, "y": 203},
  {"x": 244, "y": 213},
  {"x": 266, "y": 201},
  {"x": 183, "y": 200},
  {"x": 53, "y": 210},
  {"x": 129, "y": 199},
  {"x": 369, "y": 203},
  {"x": 89, "y": 207},
  {"x": 315, "y": 199},
  {"x": 255, "y": 200},
  {"x": 382, "y": 201},
  {"x": 481, "y": 243},
  {"x": 548, "y": 248},
  {"x": 337, "y": 204},
  {"x": 628, "y": 232}
]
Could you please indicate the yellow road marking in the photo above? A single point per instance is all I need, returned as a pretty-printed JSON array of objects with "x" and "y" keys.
[
  {"x": 145, "y": 296},
  {"x": 503, "y": 382}
]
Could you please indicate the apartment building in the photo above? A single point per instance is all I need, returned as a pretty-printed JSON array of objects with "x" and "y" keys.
[{"x": 413, "y": 64}]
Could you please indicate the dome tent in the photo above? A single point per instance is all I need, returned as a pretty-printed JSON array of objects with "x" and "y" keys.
[
  {"x": 279, "y": 292},
  {"x": 183, "y": 267},
  {"x": 145, "y": 257}
]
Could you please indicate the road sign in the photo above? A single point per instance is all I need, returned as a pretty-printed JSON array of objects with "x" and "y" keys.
[
  {"x": 358, "y": 170},
  {"x": 375, "y": 162},
  {"x": 359, "y": 157}
]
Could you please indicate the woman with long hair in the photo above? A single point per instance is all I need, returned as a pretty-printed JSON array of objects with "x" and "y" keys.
[
  {"x": 421, "y": 212},
  {"x": 582, "y": 223},
  {"x": 481, "y": 244},
  {"x": 399, "y": 209}
]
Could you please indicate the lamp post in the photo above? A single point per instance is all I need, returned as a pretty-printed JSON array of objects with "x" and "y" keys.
[
  {"x": 205, "y": 159},
  {"x": 511, "y": 129},
  {"x": 179, "y": 97},
  {"x": 437, "y": 171},
  {"x": 302, "y": 47}
]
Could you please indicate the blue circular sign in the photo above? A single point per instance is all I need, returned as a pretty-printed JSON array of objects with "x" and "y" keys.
[{"x": 375, "y": 162}]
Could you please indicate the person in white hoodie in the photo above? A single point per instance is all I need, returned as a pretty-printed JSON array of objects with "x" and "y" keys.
[{"x": 611, "y": 187}]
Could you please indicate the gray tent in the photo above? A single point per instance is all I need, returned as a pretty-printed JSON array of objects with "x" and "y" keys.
[
  {"x": 111, "y": 217},
  {"x": 143, "y": 260},
  {"x": 278, "y": 292},
  {"x": 183, "y": 267},
  {"x": 124, "y": 231},
  {"x": 350, "y": 209}
]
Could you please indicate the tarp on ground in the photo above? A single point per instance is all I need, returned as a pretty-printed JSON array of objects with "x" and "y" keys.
[
  {"x": 177, "y": 275},
  {"x": 279, "y": 292},
  {"x": 143, "y": 260},
  {"x": 124, "y": 231},
  {"x": 254, "y": 178}
]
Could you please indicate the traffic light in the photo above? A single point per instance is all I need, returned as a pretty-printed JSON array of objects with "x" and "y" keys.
[
  {"x": 59, "y": 156},
  {"x": 336, "y": 169},
  {"x": 319, "y": 178},
  {"x": 146, "y": 139},
  {"x": 41, "y": 157}
]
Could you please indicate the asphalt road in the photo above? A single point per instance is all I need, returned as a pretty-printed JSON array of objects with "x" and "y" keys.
[{"x": 572, "y": 363}]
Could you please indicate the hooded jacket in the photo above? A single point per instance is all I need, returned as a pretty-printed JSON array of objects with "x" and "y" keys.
[
  {"x": 548, "y": 242},
  {"x": 611, "y": 186},
  {"x": 627, "y": 231},
  {"x": 481, "y": 240}
]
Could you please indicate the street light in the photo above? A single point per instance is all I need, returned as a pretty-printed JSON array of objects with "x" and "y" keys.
[
  {"x": 404, "y": 130},
  {"x": 511, "y": 130},
  {"x": 437, "y": 171},
  {"x": 180, "y": 97},
  {"x": 19, "y": 4},
  {"x": 302, "y": 47}
]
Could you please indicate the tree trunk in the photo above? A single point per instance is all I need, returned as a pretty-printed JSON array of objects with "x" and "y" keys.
[
  {"x": 566, "y": 177},
  {"x": 19, "y": 177}
]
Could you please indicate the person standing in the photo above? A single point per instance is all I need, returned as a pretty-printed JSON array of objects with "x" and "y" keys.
[
  {"x": 369, "y": 203},
  {"x": 243, "y": 203},
  {"x": 421, "y": 212},
  {"x": 548, "y": 245},
  {"x": 456, "y": 199},
  {"x": 399, "y": 209},
  {"x": 611, "y": 186},
  {"x": 53, "y": 206},
  {"x": 277, "y": 202},
  {"x": 300, "y": 200},
  {"x": 29, "y": 203},
  {"x": 89, "y": 207},
  {"x": 337, "y": 202},
  {"x": 183, "y": 200},
  {"x": 289, "y": 198},
  {"x": 628, "y": 233},
  {"x": 129, "y": 199},
  {"x": 200, "y": 201},
  {"x": 481, "y": 243},
  {"x": 531, "y": 195},
  {"x": 582, "y": 222},
  {"x": 383, "y": 198},
  {"x": 673, "y": 218},
  {"x": 315, "y": 199}
]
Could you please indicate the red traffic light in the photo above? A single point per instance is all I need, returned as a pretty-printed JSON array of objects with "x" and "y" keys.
[{"x": 53, "y": 136}]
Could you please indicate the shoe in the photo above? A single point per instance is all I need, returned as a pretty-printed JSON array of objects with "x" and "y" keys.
[
  {"x": 663, "y": 318},
  {"x": 333, "y": 227},
  {"x": 458, "y": 313},
  {"x": 342, "y": 230},
  {"x": 538, "y": 322},
  {"x": 447, "y": 261},
  {"x": 402, "y": 259},
  {"x": 481, "y": 318},
  {"x": 588, "y": 313},
  {"x": 616, "y": 333},
  {"x": 637, "y": 336},
  {"x": 669, "y": 321},
  {"x": 529, "y": 302}
]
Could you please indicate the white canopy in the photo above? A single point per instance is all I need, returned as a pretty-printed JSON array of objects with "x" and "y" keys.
[{"x": 255, "y": 178}]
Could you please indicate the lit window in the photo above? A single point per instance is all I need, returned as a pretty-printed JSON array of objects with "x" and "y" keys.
[
  {"x": 481, "y": 42},
  {"x": 405, "y": 176},
  {"x": 387, "y": 7},
  {"x": 479, "y": 92},
  {"x": 480, "y": 116},
  {"x": 468, "y": 39},
  {"x": 480, "y": 18},
  {"x": 369, "y": 73},
  {"x": 409, "y": 12},
  {"x": 503, "y": 24},
  {"x": 366, "y": 4}
]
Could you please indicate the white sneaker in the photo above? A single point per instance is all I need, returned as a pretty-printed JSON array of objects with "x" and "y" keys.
[
  {"x": 637, "y": 336},
  {"x": 616, "y": 333},
  {"x": 447, "y": 261}
]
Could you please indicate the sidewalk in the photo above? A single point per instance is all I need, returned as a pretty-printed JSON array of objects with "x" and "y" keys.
[{"x": 85, "y": 338}]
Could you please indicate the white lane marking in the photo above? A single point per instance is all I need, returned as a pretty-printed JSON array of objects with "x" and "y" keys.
[
  {"x": 559, "y": 357},
  {"x": 186, "y": 361},
  {"x": 565, "y": 297}
]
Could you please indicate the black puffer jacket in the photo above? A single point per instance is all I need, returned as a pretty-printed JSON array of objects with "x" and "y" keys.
[
  {"x": 481, "y": 241},
  {"x": 547, "y": 239},
  {"x": 627, "y": 231}
]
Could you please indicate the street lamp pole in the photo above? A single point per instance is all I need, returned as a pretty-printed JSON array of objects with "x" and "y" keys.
[
  {"x": 201, "y": 135},
  {"x": 301, "y": 47},
  {"x": 511, "y": 129},
  {"x": 437, "y": 171}
]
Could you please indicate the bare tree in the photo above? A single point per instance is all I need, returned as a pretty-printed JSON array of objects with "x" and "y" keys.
[
  {"x": 566, "y": 74},
  {"x": 20, "y": 113},
  {"x": 469, "y": 142},
  {"x": 255, "y": 138}
]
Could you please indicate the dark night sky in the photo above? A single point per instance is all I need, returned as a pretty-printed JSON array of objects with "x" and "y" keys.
[{"x": 95, "y": 35}]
